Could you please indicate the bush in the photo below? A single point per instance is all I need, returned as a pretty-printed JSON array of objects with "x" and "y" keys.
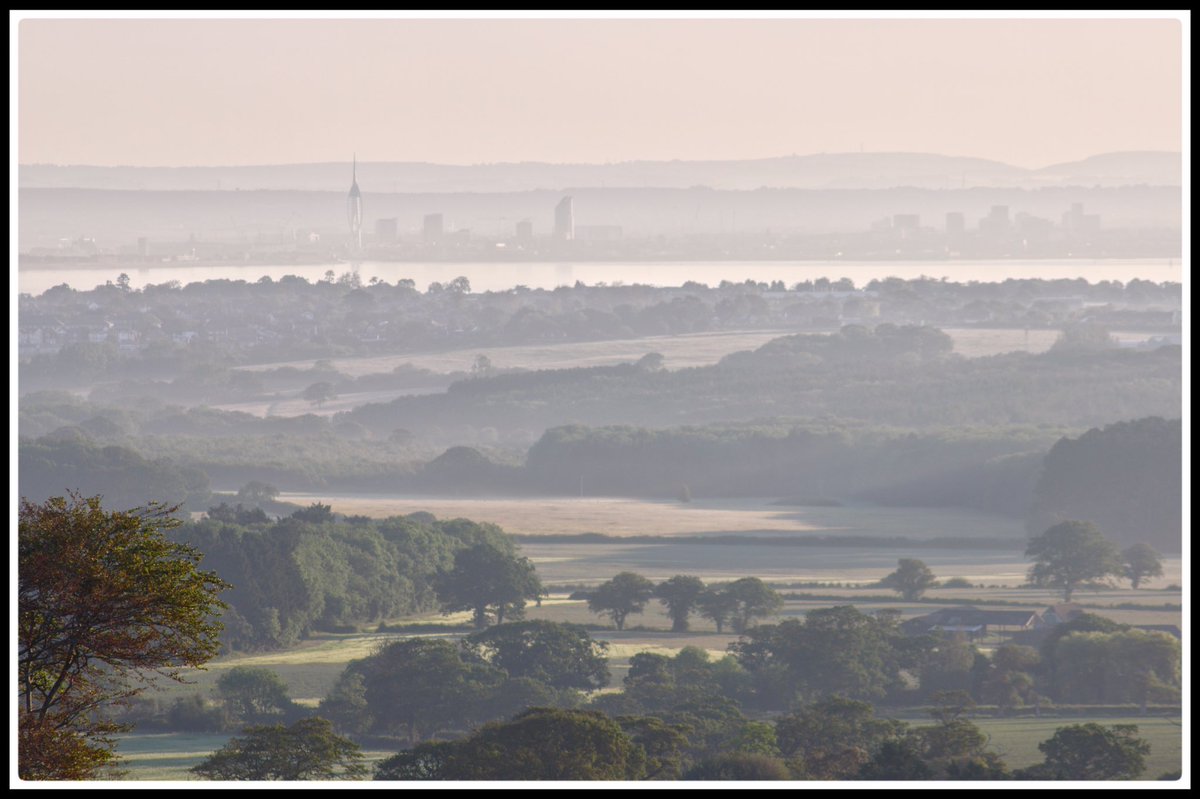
[{"x": 192, "y": 714}]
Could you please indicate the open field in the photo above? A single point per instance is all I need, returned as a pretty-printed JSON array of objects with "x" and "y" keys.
[
  {"x": 693, "y": 349},
  {"x": 168, "y": 756},
  {"x": 293, "y": 404},
  {"x": 621, "y": 516},
  {"x": 690, "y": 349},
  {"x": 1016, "y": 740}
]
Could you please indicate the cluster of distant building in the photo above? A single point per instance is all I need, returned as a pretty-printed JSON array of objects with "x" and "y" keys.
[
  {"x": 998, "y": 234},
  {"x": 435, "y": 231},
  {"x": 997, "y": 228}
]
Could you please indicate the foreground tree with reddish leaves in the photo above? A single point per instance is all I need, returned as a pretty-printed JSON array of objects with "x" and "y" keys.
[{"x": 105, "y": 603}]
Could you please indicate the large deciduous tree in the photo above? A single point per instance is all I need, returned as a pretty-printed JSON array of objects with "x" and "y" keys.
[
  {"x": 105, "y": 603},
  {"x": 548, "y": 744},
  {"x": 680, "y": 594},
  {"x": 622, "y": 595},
  {"x": 753, "y": 599},
  {"x": 318, "y": 393},
  {"x": 1141, "y": 562},
  {"x": 717, "y": 605},
  {"x": 1092, "y": 752},
  {"x": 1070, "y": 554},
  {"x": 254, "y": 695},
  {"x": 419, "y": 686},
  {"x": 911, "y": 579},
  {"x": 834, "y": 651},
  {"x": 559, "y": 655},
  {"x": 307, "y": 750},
  {"x": 834, "y": 738},
  {"x": 488, "y": 581},
  {"x": 1110, "y": 668}
]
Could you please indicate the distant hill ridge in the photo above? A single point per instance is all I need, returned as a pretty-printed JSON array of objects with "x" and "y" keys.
[{"x": 816, "y": 171}]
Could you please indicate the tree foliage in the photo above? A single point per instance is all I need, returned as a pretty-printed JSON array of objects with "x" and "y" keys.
[
  {"x": 624, "y": 594},
  {"x": 105, "y": 602},
  {"x": 1127, "y": 478},
  {"x": 1141, "y": 563},
  {"x": 1092, "y": 752},
  {"x": 717, "y": 605},
  {"x": 833, "y": 739},
  {"x": 306, "y": 750},
  {"x": 752, "y": 599},
  {"x": 911, "y": 579},
  {"x": 680, "y": 594},
  {"x": 541, "y": 744},
  {"x": 739, "y": 766},
  {"x": 1070, "y": 554},
  {"x": 1009, "y": 681},
  {"x": 425, "y": 761},
  {"x": 321, "y": 572},
  {"x": 488, "y": 581},
  {"x": 253, "y": 695},
  {"x": 419, "y": 686},
  {"x": 318, "y": 393},
  {"x": 834, "y": 651},
  {"x": 1116, "y": 667},
  {"x": 558, "y": 655}
]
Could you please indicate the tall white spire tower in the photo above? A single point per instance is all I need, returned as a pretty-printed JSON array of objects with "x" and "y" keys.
[{"x": 354, "y": 208}]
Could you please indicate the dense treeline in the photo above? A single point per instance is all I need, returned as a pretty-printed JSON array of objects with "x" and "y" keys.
[
  {"x": 902, "y": 376},
  {"x": 181, "y": 331},
  {"x": 1126, "y": 478},
  {"x": 991, "y": 469},
  {"x": 316, "y": 571},
  {"x": 55, "y": 465}
]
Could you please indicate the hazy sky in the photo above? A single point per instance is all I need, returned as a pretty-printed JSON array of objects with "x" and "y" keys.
[{"x": 209, "y": 92}]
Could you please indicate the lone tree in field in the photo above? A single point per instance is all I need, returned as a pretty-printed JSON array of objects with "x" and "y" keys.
[
  {"x": 910, "y": 580},
  {"x": 680, "y": 595},
  {"x": 105, "y": 603},
  {"x": 1070, "y": 554},
  {"x": 318, "y": 393},
  {"x": 307, "y": 750},
  {"x": 624, "y": 594},
  {"x": 1141, "y": 562}
]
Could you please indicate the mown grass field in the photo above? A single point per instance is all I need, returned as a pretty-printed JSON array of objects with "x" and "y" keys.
[
  {"x": 694, "y": 349},
  {"x": 624, "y": 516},
  {"x": 1016, "y": 740},
  {"x": 689, "y": 349},
  {"x": 168, "y": 756}
]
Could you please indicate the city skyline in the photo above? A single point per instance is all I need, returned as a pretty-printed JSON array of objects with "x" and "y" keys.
[{"x": 208, "y": 92}]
